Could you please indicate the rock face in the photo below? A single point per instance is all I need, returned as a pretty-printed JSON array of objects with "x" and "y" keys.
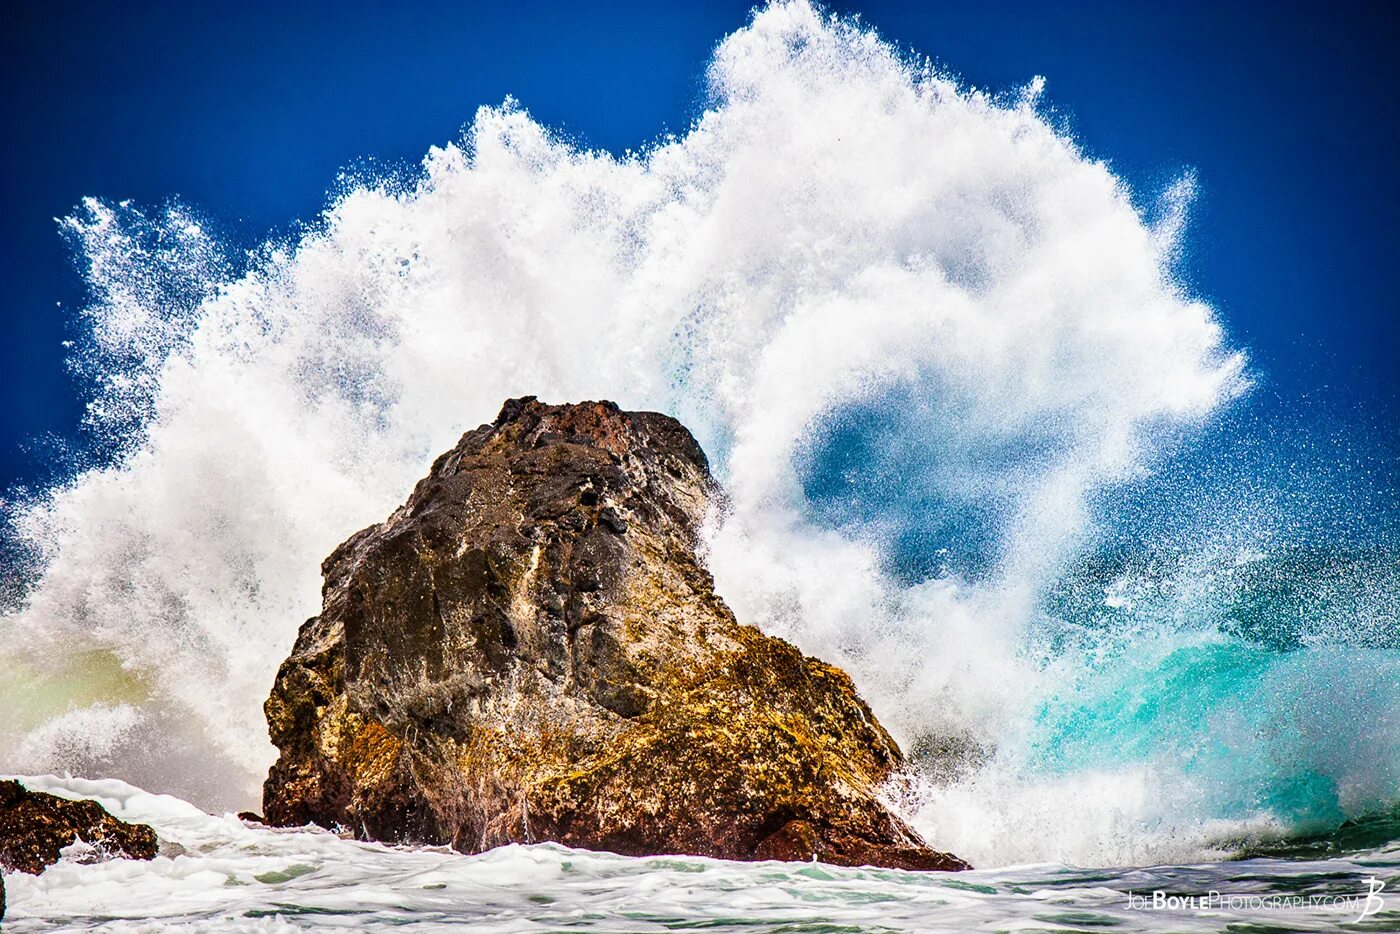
[
  {"x": 35, "y": 826},
  {"x": 530, "y": 650}
]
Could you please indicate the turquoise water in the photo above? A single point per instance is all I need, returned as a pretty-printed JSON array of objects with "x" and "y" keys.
[
  {"x": 1240, "y": 720},
  {"x": 1273, "y": 692}
]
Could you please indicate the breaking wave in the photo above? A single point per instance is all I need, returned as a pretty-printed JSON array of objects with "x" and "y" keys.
[{"x": 928, "y": 343}]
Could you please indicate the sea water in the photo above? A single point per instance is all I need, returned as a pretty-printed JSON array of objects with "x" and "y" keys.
[
  {"x": 219, "y": 873},
  {"x": 982, "y": 447}
]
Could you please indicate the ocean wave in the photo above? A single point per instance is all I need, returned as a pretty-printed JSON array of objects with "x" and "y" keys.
[{"x": 918, "y": 330}]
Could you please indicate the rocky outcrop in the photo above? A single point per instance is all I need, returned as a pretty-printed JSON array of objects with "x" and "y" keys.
[
  {"x": 529, "y": 649},
  {"x": 35, "y": 827}
]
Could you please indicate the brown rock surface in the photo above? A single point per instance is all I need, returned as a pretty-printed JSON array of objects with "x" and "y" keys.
[
  {"x": 35, "y": 826},
  {"x": 529, "y": 649}
]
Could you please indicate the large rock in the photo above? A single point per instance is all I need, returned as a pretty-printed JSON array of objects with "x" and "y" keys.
[
  {"x": 530, "y": 650},
  {"x": 35, "y": 827}
]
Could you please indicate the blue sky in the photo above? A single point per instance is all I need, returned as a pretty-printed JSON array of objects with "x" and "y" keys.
[{"x": 248, "y": 111}]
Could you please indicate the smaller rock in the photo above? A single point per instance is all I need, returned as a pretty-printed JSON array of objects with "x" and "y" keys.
[
  {"x": 35, "y": 827},
  {"x": 251, "y": 817}
]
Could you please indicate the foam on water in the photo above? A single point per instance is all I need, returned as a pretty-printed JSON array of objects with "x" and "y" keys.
[{"x": 917, "y": 329}]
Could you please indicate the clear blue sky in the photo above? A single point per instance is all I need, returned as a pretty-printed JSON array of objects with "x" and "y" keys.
[{"x": 248, "y": 110}]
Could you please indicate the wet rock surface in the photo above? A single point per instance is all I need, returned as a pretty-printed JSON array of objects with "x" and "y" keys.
[
  {"x": 530, "y": 650},
  {"x": 35, "y": 827}
]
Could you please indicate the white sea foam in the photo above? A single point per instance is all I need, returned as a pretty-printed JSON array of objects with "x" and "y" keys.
[
  {"x": 844, "y": 239},
  {"x": 215, "y": 873}
]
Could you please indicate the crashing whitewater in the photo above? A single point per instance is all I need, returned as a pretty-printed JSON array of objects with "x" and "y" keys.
[{"x": 921, "y": 334}]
